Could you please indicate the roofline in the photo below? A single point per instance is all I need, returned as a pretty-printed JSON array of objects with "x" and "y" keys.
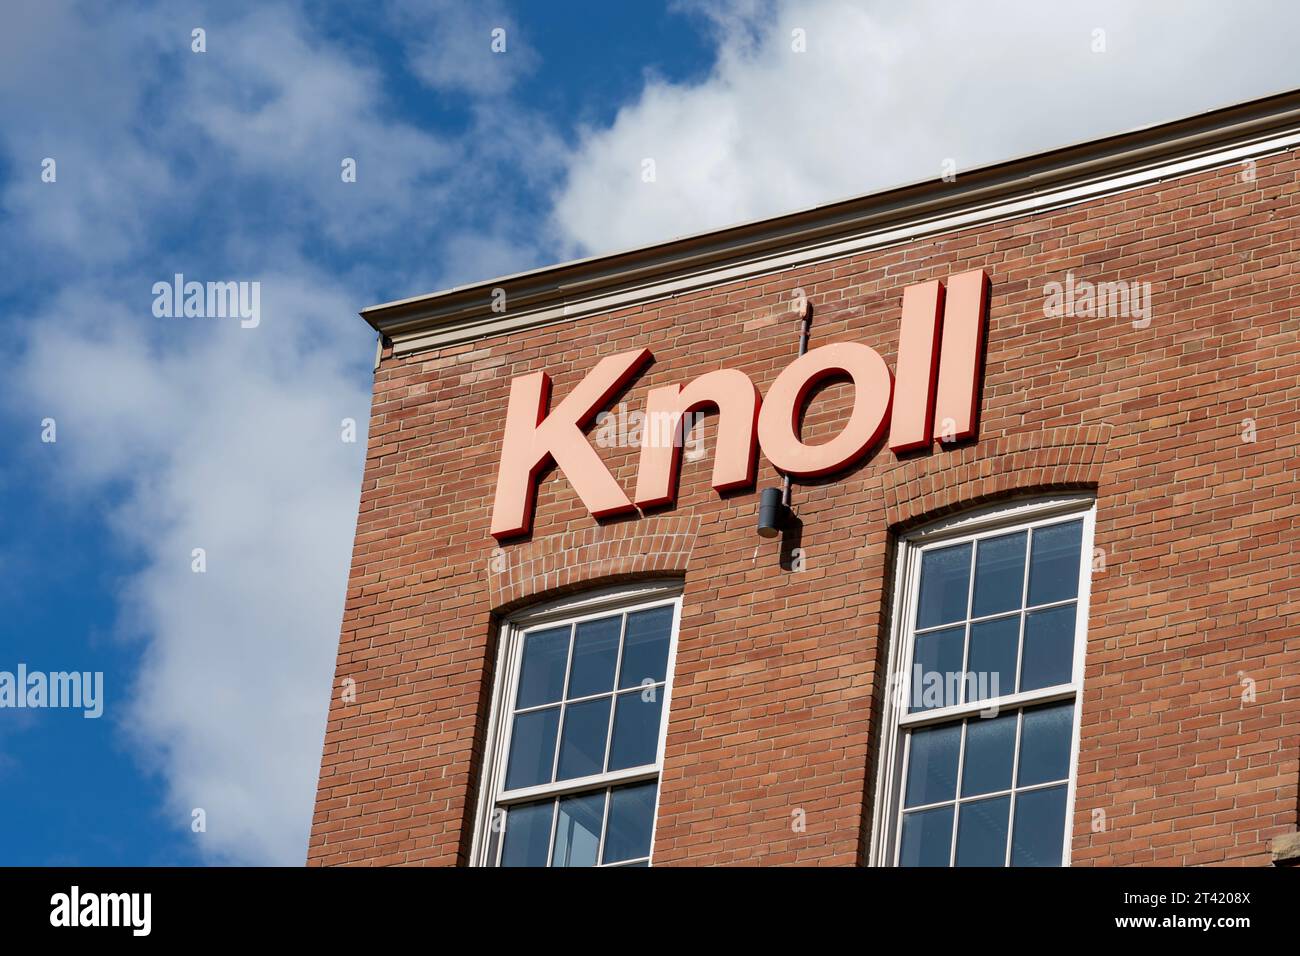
[{"x": 1048, "y": 180}]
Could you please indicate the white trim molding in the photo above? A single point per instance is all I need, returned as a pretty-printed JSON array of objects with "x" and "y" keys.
[{"x": 989, "y": 194}]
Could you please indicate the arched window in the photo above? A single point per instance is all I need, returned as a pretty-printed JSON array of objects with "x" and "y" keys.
[
  {"x": 576, "y": 737},
  {"x": 986, "y": 664}
]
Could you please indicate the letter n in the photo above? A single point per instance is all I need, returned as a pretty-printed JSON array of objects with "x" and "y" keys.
[
  {"x": 533, "y": 439},
  {"x": 734, "y": 459}
]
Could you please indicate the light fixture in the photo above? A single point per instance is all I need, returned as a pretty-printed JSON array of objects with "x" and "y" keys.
[
  {"x": 774, "y": 505},
  {"x": 771, "y": 513}
]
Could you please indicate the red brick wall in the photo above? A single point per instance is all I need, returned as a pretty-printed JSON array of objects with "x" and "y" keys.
[{"x": 779, "y": 671}]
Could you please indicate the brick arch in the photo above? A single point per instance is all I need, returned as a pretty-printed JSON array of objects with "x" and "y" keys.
[
  {"x": 929, "y": 487},
  {"x": 555, "y": 564}
]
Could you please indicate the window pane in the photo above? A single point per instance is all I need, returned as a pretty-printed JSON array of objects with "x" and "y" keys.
[
  {"x": 541, "y": 678},
  {"x": 990, "y": 751},
  {"x": 932, "y": 765},
  {"x": 631, "y": 818},
  {"x": 1049, "y": 648},
  {"x": 595, "y": 655},
  {"x": 982, "y": 832},
  {"x": 645, "y": 649},
  {"x": 927, "y": 837},
  {"x": 577, "y": 830},
  {"x": 945, "y": 581},
  {"x": 992, "y": 663},
  {"x": 532, "y": 748},
  {"x": 582, "y": 747},
  {"x": 636, "y": 729},
  {"x": 936, "y": 669},
  {"x": 1054, "y": 565},
  {"x": 999, "y": 574},
  {"x": 528, "y": 834},
  {"x": 1040, "y": 828},
  {"x": 1045, "y": 744}
]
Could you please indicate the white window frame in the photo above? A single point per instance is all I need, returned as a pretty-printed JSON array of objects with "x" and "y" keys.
[
  {"x": 590, "y": 605},
  {"x": 1005, "y": 517}
]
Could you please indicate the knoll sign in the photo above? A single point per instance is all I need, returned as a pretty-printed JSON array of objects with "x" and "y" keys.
[{"x": 940, "y": 348}]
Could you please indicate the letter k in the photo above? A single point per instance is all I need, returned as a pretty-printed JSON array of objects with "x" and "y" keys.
[{"x": 533, "y": 439}]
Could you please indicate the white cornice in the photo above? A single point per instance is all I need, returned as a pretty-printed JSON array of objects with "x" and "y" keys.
[{"x": 990, "y": 194}]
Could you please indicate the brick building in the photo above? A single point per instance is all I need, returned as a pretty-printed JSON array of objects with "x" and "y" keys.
[{"x": 1066, "y": 630}]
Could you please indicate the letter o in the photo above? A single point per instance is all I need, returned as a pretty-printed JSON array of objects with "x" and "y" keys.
[{"x": 778, "y": 422}]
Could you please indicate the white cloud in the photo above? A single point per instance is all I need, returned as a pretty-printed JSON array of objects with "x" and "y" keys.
[
  {"x": 887, "y": 91},
  {"x": 50, "y": 58},
  {"x": 229, "y": 440},
  {"x": 195, "y": 433},
  {"x": 450, "y": 45},
  {"x": 284, "y": 105}
]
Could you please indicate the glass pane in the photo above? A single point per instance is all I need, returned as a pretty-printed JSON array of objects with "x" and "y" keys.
[
  {"x": 541, "y": 678},
  {"x": 1049, "y": 648},
  {"x": 932, "y": 765},
  {"x": 990, "y": 752},
  {"x": 999, "y": 574},
  {"x": 582, "y": 747},
  {"x": 496, "y": 825},
  {"x": 577, "y": 830},
  {"x": 645, "y": 649},
  {"x": 528, "y": 834},
  {"x": 631, "y": 818},
  {"x": 532, "y": 748},
  {"x": 945, "y": 581},
  {"x": 992, "y": 663},
  {"x": 982, "y": 832},
  {"x": 1045, "y": 744},
  {"x": 1054, "y": 564},
  {"x": 636, "y": 729},
  {"x": 927, "y": 837},
  {"x": 936, "y": 669},
  {"x": 595, "y": 655},
  {"x": 1039, "y": 832}
]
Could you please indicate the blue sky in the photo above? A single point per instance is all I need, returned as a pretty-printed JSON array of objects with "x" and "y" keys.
[{"x": 175, "y": 433}]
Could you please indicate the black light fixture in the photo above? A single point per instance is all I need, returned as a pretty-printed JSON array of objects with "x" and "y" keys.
[
  {"x": 771, "y": 513},
  {"x": 774, "y": 504}
]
